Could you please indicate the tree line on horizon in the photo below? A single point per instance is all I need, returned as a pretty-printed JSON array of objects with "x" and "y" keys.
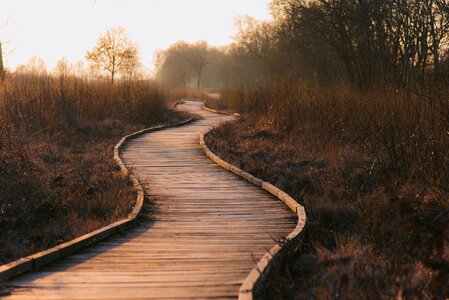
[
  {"x": 365, "y": 42},
  {"x": 113, "y": 55}
]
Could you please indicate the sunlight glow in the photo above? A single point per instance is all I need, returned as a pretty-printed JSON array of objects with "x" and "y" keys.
[{"x": 52, "y": 29}]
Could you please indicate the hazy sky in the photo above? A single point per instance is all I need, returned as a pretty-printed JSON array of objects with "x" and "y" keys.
[{"x": 52, "y": 29}]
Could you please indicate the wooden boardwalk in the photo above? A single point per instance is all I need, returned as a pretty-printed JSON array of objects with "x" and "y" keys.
[{"x": 210, "y": 229}]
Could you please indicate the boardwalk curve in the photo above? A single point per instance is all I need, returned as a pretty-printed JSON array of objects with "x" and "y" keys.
[{"x": 210, "y": 229}]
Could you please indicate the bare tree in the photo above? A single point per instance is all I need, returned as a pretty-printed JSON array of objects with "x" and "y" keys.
[
  {"x": 394, "y": 42},
  {"x": 113, "y": 53},
  {"x": 254, "y": 49},
  {"x": 173, "y": 65},
  {"x": 182, "y": 63},
  {"x": 63, "y": 68},
  {"x": 131, "y": 67},
  {"x": 34, "y": 67},
  {"x": 2, "y": 67},
  {"x": 199, "y": 59}
]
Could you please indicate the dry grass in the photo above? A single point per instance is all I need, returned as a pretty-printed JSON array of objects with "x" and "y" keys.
[
  {"x": 58, "y": 179},
  {"x": 371, "y": 169},
  {"x": 186, "y": 93}
]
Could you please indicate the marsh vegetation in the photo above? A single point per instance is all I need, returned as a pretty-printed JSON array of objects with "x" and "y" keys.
[
  {"x": 58, "y": 179},
  {"x": 345, "y": 106}
]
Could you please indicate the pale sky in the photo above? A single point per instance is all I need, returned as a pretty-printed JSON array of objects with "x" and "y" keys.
[{"x": 52, "y": 29}]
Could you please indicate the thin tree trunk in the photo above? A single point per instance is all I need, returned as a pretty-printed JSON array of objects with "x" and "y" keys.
[
  {"x": 435, "y": 43},
  {"x": 199, "y": 78},
  {"x": 2, "y": 69},
  {"x": 113, "y": 70}
]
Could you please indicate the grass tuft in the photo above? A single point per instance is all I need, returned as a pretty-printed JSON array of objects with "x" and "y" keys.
[
  {"x": 58, "y": 179},
  {"x": 371, "y": 169}
]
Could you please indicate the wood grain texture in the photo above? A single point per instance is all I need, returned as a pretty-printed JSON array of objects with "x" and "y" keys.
[{"x": 210, "y": 229}]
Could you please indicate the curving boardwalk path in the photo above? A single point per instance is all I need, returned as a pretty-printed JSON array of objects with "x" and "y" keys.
[{"x": 210, "y": 229}]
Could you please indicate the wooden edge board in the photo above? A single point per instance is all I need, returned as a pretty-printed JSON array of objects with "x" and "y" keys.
[
  {"x": 218, "y": 112},
  {"x": 35, "y": 261},
  {"x": 204, "y": 107},
  {"x": 246, "y": 289},
  {"x": 177, "y": 103}
]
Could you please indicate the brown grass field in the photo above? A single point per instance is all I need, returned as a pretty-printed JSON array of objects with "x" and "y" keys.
[
  {"x": 344, "y": 105},
  {"x": 58, "y": 179},
  {"x": 371, "y": 169}
]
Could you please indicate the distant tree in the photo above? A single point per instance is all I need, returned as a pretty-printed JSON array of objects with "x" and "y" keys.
[
  {"x": 372, "y": 42},
  {"x": 182, "y": 64},
  {"x": 114, "y": 53},
  {"x": 199, "y": 59},
  {"x": 63, "y": 68},
  {"x": 2, "y": 67},
  {"x": 218, "y": 73},
  {"x": 132, "y": 67},
  {"x": 173, "y": 65},
  {"x": 253, "y": 49},
  {"x": 35, "y": 67}
]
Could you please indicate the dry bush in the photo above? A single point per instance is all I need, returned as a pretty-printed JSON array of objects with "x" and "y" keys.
[
  {"x": 175, "y": 94},
  {"x": 52, "y": 191},
  {"x": 244, "y": 99},
  {"x": 36, "y": 102},
  {"x": 58, "y": 179},
  {"x": 405, "y": 132},
  {"x": 371, "y": 169}
]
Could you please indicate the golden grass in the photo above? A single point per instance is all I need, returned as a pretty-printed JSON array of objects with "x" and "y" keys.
[
  {"x": 58, "y": 179},
  {"x": 371, "y": 168}
]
